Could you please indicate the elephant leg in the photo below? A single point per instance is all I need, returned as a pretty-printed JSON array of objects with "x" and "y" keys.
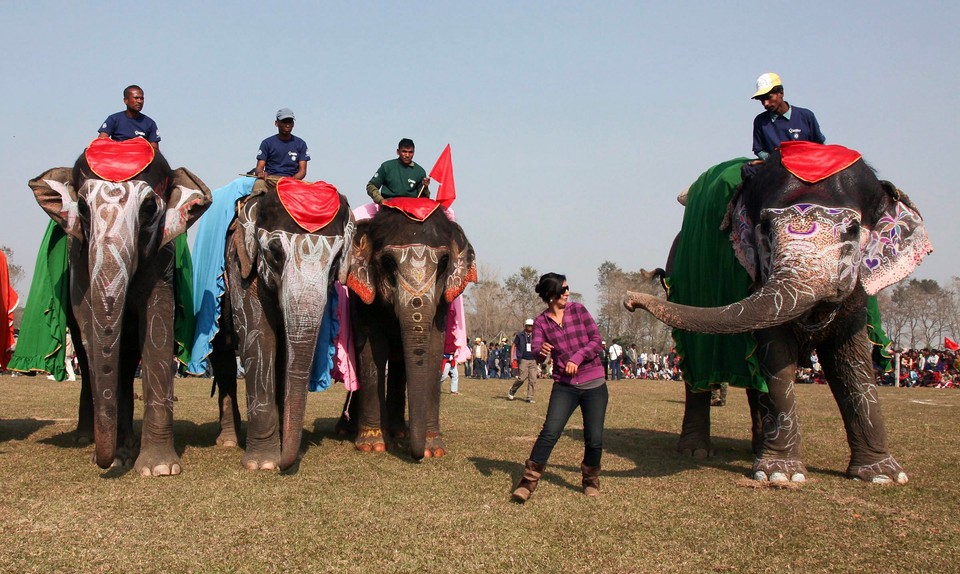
[
  {"x": 434, "y": 445},
  {"x": 223, "y": 363},
  {"x": 158, "y": 457},
  {"x": 695, "y": 432},
  {"x": 263, "y": 417},
  {"x": 848, "y": 367},
  {"x": 84, "y": 432},
  {"x": 779, "y": 459},
  {"x": 347, "y": 423},
  {"x": 371, "y": 401},
  {"x": 756, "y": 442},
  {"x": 129, "y": 360}
]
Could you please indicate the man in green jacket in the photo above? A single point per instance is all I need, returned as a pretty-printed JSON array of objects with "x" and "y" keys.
[{"x": 399, "y": 177}]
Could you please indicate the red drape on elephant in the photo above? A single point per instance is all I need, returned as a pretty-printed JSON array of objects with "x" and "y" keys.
[{"x": 9, "y": 299}]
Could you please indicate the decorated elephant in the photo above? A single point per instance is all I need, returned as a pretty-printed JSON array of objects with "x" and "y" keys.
[
  {"x": 122, "y": 206},
  {"x": 282, "y": 256},
  {"x": 409, "y": 262},
  {"x": 816, "y": 233}
]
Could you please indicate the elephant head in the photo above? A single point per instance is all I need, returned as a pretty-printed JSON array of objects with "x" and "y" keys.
[
  {"x": 117, "y": 221},
  {"x": 807, "y": 243},
  {"x": 285, "y": 275},
  {"x": 412, "y": 270}
]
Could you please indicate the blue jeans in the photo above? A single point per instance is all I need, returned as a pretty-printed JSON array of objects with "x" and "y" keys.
[
  {"x": 564, "y": 399},
  {"x": 617, "y": 373}
]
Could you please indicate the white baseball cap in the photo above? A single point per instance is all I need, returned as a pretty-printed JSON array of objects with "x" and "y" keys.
[{"x": 528, "y": 322}]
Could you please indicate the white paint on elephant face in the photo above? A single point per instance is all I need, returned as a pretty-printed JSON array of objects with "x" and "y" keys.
[
  {"x": 301, "y": 275},
  {"x": 114, "y": 230},
  {"x": 809, "y": 244}
]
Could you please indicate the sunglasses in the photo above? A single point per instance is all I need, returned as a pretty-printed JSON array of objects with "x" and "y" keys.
[{"x": 564, "y": 289}]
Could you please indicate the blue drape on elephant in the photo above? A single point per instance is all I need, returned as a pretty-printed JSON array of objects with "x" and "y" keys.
[
  {"x": 40, "y": 346},
  {"x": 706, "y": 273}
]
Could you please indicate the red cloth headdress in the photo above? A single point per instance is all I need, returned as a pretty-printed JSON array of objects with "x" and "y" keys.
[
  {"x": 118, "y": 161},
  {"x": 813, "y": 162},
  {"x": 311, "y": 205}
]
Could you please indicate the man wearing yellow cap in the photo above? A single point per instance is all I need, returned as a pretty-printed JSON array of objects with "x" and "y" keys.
[{"x": 780, "y": 122}]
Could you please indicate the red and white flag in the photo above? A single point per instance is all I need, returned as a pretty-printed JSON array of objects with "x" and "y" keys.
[
  {"x": 442, "y": 173},
  {"x": 950, "y": 345}
]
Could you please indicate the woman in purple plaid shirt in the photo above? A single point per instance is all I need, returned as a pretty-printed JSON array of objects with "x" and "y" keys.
[{"x": 566, "y": 332}]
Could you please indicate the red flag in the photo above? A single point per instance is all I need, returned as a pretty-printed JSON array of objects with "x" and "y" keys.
[
  {"x": 442, "y": 173},
  {"x": 950, "y": 345}
]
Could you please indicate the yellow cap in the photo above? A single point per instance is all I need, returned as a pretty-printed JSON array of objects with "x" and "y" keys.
[{"x": 766, "y": 82}]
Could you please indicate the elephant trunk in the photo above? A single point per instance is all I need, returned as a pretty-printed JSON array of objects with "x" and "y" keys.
[
  {"x": 303, "y": 314},
  {"x": 777, "y": 302},
  {"x": 423, "y": 375},
  {"x": 108, "y": 293}
]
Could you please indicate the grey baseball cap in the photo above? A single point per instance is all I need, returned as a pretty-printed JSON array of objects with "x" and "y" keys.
[{"x": 285, "y": 114}]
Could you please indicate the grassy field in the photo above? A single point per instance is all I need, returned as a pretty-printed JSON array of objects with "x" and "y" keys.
[{"x": 343, "y": 511}]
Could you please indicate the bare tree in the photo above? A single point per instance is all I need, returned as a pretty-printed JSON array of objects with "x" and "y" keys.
[{"x": 15, "y": 271}]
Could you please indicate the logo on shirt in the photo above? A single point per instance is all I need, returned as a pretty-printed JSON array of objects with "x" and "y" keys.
[
  {"x": 794, "y": 133},
  {"x": 412, "y": 183},
  {"x": 140, "y": 133},
  {"x": 293, "y": 156}
]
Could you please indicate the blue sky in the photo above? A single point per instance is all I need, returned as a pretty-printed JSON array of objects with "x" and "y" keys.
[{"x": 573, "y": 125}]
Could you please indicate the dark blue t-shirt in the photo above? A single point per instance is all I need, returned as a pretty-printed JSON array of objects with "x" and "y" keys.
[
  {"x": 121, "y": 128},
  {"x": 283, "y": 157},
  {"x": 769, "y": 130}
]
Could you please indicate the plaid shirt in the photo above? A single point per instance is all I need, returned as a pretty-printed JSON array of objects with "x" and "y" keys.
[{"x": 576, "y": 341}]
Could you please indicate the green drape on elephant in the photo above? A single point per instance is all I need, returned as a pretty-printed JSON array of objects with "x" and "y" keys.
[
  {"x": 40, "y": 346},
  {"x": 706, "y": 273},
  {"x": 882, "y": 355},
  {"x": 184, "y": 320}
]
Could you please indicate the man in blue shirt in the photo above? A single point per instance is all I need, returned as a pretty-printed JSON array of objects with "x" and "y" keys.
[
  {"x": 284, "y": 154},
  {"x": 780, "y": 122},
  {"x": 130, "y": 123}
]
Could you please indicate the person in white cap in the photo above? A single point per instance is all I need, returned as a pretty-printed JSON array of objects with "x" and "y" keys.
[
  {"x": 283, "y": 154},
  {"x": 526, "y": 361},
  {"x": 780, "y": 121}
]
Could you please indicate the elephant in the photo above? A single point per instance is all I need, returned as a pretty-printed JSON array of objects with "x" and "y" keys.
[
  {"x": 279, "y": 273},
  {"x": 815, "y": 246},
  {"x": 405, "y": 271},
  {"x": 121, "y": 206}
]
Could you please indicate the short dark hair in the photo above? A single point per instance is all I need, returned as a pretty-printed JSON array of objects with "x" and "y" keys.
[
  {"x": 550, "y": 286},
  {"x": 130, "y": 88},
  {"x": 406, "y": 142},
  {"x": 776, "y": 90}
]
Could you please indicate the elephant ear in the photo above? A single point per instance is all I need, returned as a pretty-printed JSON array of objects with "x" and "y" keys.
[
  {"x": 464, "y": 265},
  {"x": 188, "y": 199},
  {"x": 245, "y": 236},
  {"x": 344, "y": 258},
  {"x": 57, "y": 196},
  {"x": 359, "y": 278},
  {"x": 743, "y": 236},
  {"x": 894, "y": 241}
]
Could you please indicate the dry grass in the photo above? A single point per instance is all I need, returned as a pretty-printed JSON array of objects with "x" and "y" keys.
[{"x": 342, "y": 511}]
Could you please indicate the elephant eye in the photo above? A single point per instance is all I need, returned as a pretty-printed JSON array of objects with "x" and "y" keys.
[
  {"x": 149, "y": 209},
  {"x": 443, "y": 264},
  {"x": 389, "y": 266}
]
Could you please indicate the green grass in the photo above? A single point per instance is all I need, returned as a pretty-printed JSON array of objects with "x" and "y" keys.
[{"x": 343, "y": 511}]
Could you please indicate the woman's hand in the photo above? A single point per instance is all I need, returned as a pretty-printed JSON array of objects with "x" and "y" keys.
[
  {"x": 545, "y": 350},
  {"x": 571, "y": 368}
]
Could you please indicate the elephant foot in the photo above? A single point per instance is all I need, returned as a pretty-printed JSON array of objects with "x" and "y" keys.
[
  {"x": 434, "y": 447},
  {"x": 158, "y": 462},
  {"x": 228, "y": 439},
  {"x": 695, "y": 446},
  {"x": 778, "y": 470},
  {"x": 370, "y": 440},
  {"x": 886, "y": 471},
  {"x": 255, "y": 462}
]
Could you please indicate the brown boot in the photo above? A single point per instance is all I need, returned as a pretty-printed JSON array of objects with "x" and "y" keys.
[
  {"x": 591, "y": 479},
  {"x": 528, "y": 482}
]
